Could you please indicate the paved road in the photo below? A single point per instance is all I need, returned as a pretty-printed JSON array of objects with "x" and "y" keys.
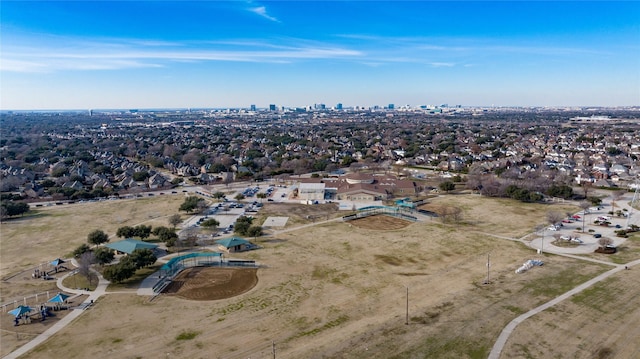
[{"x": 589, "y": 246}]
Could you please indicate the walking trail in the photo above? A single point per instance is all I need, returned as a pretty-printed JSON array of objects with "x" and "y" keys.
[{"x": 146, "y": 288}]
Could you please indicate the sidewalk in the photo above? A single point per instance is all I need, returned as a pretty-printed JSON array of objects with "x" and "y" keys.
[{"x": 93, "y": 296}]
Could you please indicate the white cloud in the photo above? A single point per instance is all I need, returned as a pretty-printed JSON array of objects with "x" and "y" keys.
[
  {"x": 442, "y": 64},
  {"x": 262, "y": 11},
  {"x": 111, "y": 54}
]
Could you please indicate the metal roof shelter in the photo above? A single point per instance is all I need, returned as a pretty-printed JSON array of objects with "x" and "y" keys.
[{"x": 129, "y": 245}]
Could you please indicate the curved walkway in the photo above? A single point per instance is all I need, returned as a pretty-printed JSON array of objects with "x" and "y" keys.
[
  {"x": 506, "y": 332},
  {"x": 93, "y": 296}
]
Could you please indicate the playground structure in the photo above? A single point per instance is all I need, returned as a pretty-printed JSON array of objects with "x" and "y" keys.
[
  {"x": 33, "y": 304},
  {"x": 175, "y": 265},
  {"x": 402, "y": 212},
  {"x": 44, "y": 274}
]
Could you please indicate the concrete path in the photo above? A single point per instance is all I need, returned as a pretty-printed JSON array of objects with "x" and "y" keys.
[
  {"x": 93, "y": 296},
  {"x": 506, "y": 332},
  {"x": 146, "y": 287}
]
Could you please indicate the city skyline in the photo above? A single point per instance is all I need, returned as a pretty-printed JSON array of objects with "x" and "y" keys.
[{"x": 210, "y": 54}]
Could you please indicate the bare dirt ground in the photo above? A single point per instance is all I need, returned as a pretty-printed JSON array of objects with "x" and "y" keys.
[
  {"x": 209, "y": 283},
  {"x": 336, "y": 290},
  {"x": 380, "y": 223}
]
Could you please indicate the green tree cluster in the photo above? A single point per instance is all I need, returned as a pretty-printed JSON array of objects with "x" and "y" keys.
[
  {"x": 522, "y": 194},
  {"x": 562, "y": 191},
  {"x": 190, "y": 204},
  {"x": 10, "y": 209},
  {"x": 166, "y": 235},
  {"x": 243, "y": 227},
  {"x": 128, "y": 265},
  {"x": 140, "y": 231}
]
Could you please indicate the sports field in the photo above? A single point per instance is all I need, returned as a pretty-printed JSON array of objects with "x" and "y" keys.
[{"x": 339, "y": 290}]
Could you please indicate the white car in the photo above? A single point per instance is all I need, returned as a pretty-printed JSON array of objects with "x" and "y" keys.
[
  {"x": 576, "y": 240},
  {"x": 565, "y": 238}
]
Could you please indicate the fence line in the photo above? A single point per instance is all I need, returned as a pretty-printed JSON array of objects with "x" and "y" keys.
[
  {"x": 15, "y": 303},
  {"x": 189, "y": 261}
]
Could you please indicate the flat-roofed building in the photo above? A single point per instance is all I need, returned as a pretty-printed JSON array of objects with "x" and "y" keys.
[{"x": 311, "y": 191}]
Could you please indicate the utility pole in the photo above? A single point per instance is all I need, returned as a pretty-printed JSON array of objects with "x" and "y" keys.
[
  {"x": 273, "y": 349},
  {"x": 406, "y": 321},
  {"x": 488, "y": 266}
]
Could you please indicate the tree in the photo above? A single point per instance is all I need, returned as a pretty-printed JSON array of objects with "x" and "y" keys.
[
  {"x": 261, "y": 195},
  {"x": 604, "y": 242},
  {"x": 616, "y": 196},
  {"x": 10, "y": 208},
  {"x": 84, "y": 265},
  {"x": 562, "y": 191},
  {"x": 210, "y": 223},
  {"x": 239, "y": 197},
  {"x": 595, "y": 201},
  {"x": 584, "y": 205},
  {"x": 142, "y": 231},
  {"x": 218, "y": 195},
  {"x": 554, "y": 217},
  {"x": 254, "y": 231},
  {"x": 447, "y": 186},
  {"x": 97, "y": 237},
  {"x": 126, "y": 232},
  {"x": 243, "y": 223},
  {"x": 140, "y": 176},
  {"x": 175, "y": 220},
  {"x": 190, "y": 204},
  {"x": 120, "y": 272},
  {"x": 142, "y": 258},
  {"x": 586, "y": 188},
  {"x": 104, "y": 255},
  {"x": 165, "y": 234},
  {"x": 81, "y": 249}
]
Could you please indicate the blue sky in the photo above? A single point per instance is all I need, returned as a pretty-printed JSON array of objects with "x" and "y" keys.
[{"x": 164, "y": 54}]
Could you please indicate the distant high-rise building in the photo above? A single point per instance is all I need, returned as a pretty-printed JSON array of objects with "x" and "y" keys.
[
  {"x": 272, "y": 107},
  {"x": 391, "y": 106},
  {"x": 253, "y": 107},
  {"x": 339, "y": 106}
]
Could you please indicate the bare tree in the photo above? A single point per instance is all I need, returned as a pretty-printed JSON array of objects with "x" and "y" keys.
[
  {"x": 616, "y": 196},
  {"x": 175, "y": 220},
  {"x": 604, "y": 242},
  {"x": 584, "y": 205},
  {"x": 84, "y": 265},
  {"x": 586, "y": 188},
  {"x": 554, "y": 217},
  {"x": 449, "y": 214}
]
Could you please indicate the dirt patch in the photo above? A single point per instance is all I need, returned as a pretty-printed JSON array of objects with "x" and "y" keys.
[
  {"x": 299, "y": 214},
  {"x": 380, "y": 222},
  {"x": 212, "y": 283}
]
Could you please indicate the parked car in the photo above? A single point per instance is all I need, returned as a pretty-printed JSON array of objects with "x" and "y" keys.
[{"x": 597, "y": 235}]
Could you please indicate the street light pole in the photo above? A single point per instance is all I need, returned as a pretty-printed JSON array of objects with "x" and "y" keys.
[{"x": 406, "y": 321}]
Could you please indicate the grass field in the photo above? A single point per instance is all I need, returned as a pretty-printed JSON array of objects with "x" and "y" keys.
[{"x": 336, "y": 290}]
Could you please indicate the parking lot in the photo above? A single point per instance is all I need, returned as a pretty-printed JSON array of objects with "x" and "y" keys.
[{"x": 587, "y": 241}]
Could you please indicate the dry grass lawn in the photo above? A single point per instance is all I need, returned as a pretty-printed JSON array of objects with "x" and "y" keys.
[
  {"x": 336, "y": 290},
  {"x": 51, "y": 232},
  {"x": 601, "y": 322}
]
